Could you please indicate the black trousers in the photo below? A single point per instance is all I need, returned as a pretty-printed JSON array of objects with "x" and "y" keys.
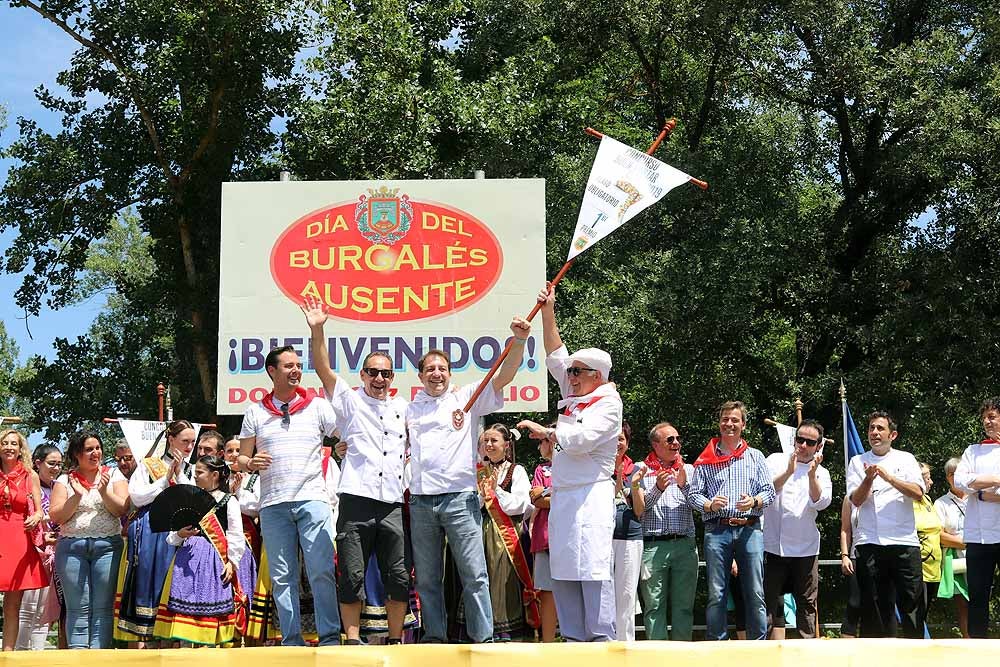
[
  {"x": 981, "y": 561},
  {"x": 888, "y": 576}
]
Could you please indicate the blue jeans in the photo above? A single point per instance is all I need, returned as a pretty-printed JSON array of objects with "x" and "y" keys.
[
  {"x": 457, "y": 516},
  {"x": 746, "y": 545},
  {"x": 285, "y": 527},
  {"x": 88, "y": 570}
]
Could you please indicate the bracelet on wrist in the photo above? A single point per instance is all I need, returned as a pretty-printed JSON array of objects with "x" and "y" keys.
[
  {"x": 979, "y": 495},
  {"x": 844, "y": 555},
  {"x": 520, "y": 340}
]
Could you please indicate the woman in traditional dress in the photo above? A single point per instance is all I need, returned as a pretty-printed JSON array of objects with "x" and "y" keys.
[
  {"x": 41, "y": 606},
  {"x": 505, "y": 491},
  {"x": 21, "y": 512},
  {"x": 148, "y": 556},
  {"x": 203, "y": 596},
  {"x": 88, "y": 504}
]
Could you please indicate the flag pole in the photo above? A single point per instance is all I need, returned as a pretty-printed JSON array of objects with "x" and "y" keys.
[
  {"x": 664, "y": 132},
  {"x": 843, "y": 414}
]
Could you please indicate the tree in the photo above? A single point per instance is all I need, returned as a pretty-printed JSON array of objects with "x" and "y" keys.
[{"x": 186, "y": 97}]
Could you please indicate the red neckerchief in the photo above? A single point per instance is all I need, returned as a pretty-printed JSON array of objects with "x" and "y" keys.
[
  {"x": 299, "y": 402},
  {"x": 628, "y": 465},
  {"x": 569, "y": 410},
  {"x": 654, "y": 463},
  {"x": 75, "y": 474},
  {"x": 711, "y": 455},
  {"x": 990, "y": 441}
]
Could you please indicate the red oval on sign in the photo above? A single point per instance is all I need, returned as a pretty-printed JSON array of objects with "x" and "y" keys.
[{"x": 387, "y": 258}]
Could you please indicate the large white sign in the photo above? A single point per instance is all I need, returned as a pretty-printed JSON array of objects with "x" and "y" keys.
[{"x": 403, "y": 267}]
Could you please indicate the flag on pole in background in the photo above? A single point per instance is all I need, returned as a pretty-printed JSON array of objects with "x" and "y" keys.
[
  {"x": 786, "y": 436},
  {"x": 623, "y": 182},
  {"x": 852, "y": 440}
]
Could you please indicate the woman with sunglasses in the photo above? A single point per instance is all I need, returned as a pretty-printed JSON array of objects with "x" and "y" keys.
[{"x": 42, "y": 606}]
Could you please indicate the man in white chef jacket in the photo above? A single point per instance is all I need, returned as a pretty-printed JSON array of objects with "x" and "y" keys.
[{"x": 582, "y": 514}]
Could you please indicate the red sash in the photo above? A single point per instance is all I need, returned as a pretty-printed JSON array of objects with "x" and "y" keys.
[
  {"x": 512, "y": 545},
  {"x": 711, "y": 455}
]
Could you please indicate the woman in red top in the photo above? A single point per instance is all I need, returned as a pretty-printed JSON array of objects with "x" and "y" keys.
[{"x": 20, "y": 512}]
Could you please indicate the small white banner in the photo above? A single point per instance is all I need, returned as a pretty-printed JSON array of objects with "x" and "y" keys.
[
  {"x": 142, "y": 434},
  {"x": 786, "y": 436},
  {"x": 623, "y": 182}
]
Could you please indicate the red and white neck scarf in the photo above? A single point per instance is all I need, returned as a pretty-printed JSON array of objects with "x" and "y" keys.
[
  {"x": 298, "y": 403},
  {"x": 711, "y": 453}
]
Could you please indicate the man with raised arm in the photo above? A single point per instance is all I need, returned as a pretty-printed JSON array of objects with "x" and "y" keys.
[
  {"x": 883, "y": 483},
  {"x": 791, "y": 539},
  {"x": 282, "y": 438},
  {"x": 372, "y": 425},
  {"x": 582, "y": 512},
  {"x": 444, "y": 500}
]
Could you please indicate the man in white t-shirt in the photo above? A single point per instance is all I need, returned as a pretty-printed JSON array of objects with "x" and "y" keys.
[
  {"x": 372, "y": 425},
  {"x": 791, "y": 539},
  {"x": 282, "y": 438},
  {"x": 443, "y": 497},
  {"x": 883, "y": 483}
]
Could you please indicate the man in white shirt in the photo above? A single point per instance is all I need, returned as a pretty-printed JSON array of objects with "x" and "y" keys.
[
  {"x": 282, "y": 438},
  {"x": 443, "y": 493},
  {"x": 582, "y": 512},
  {"x": 883, "y": 483},
  {"x": 978, "y": 474},
  {"x": 791, "y": 539},
  {"x": 371, "y": 423}
]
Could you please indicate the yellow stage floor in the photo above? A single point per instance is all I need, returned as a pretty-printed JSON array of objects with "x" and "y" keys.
[{"x": 795, "y": 653}]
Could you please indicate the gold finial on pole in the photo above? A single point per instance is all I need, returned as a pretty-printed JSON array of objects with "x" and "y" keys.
[{"x": 798, "y": 410}]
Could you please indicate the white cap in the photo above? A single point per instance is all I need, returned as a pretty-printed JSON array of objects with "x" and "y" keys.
[{"x": 591, "y": 357}]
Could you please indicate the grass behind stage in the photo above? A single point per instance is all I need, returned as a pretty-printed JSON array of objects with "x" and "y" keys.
[{"x": 796, "y": 653}]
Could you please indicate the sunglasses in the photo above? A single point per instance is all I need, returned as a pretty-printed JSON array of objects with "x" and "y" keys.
[
  {"x": 286, "y": 419},
  {"x": 375, "y": 372},
  {"x": 576, "y": 370},
  {"x": 125, "y": 459},
  {"x": 800, "y": 440},
  {"x": 672, "y": 439}
]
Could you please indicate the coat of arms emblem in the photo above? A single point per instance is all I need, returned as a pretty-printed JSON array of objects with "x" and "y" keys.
[{"x": 382, "y": 216}]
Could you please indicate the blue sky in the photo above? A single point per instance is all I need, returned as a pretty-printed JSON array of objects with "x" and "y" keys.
[{"x": 32, "y": 52}]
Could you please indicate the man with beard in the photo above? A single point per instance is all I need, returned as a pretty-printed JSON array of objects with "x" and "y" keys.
[{"x": 883, "y": 483}]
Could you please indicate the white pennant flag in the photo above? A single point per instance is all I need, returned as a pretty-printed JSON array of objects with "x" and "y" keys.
[
  {"x": 786, "y": 436},
  {"x": 142, "y": 434},
  {"x": 623, "y": 182}
]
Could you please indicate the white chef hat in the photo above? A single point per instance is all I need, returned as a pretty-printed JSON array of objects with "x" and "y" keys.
[{"x": 591, "y": 357}]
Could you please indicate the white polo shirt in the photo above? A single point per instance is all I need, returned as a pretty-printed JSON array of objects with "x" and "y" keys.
[
  {"x": 982, "y": 519},
  {"x": 886, "y": 517},
  {"x": 296, "y": 471},
  {"x": 443, "y": 458},
  {"x": 951, "y": 510},
  {"x": 375, "y": 433},
  {"x": 790, "y": 521}
]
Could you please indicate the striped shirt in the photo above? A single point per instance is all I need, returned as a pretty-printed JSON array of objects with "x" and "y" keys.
[
  {"x": 667, "y": 512},
  {"x": 296, "y": 471},
  {"x": 748, "y": 475}
]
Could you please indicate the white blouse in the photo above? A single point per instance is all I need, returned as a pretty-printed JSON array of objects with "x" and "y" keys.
[{"x": 91, "y": 518}]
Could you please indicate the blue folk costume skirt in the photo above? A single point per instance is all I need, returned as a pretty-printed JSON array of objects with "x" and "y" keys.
[
  {"x": 140, "y": 579},
  {"x": 196, "y": 606}
]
